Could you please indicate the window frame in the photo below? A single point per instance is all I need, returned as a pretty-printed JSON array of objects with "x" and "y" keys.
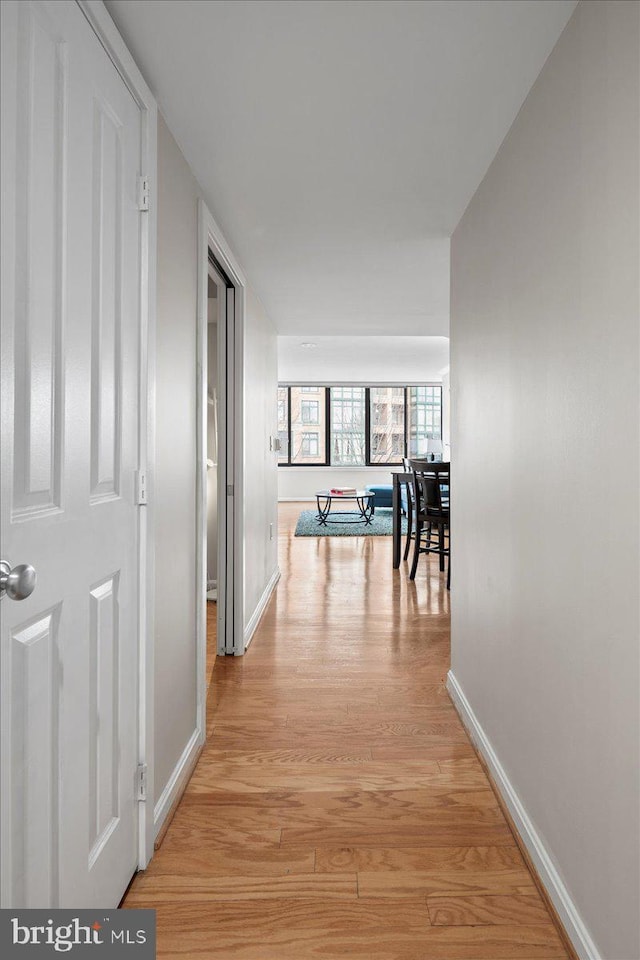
[
  {"x": 308, "y": 407},
  {"x": 367, "y": 424},
  {"x": 308, "y": 437},
  {"x": 352, "y": 400},
  {"x": 406, "y": 419}
]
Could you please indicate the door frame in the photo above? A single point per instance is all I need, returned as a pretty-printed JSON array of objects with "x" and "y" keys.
[
  {"x": 106, "y": 32},
  {"x": 210, "y": 237}
]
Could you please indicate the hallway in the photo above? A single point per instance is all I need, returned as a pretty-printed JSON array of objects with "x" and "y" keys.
[{"x": 338, "y": 809}]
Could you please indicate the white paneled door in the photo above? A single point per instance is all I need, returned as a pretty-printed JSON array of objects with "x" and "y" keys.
[{"x": 71, "y": 141}]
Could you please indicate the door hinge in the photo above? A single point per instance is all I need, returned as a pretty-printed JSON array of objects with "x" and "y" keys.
[
  {"x": 141, "y": 782},
  {"x": 143, "y": 194},
  {"x": 229, "y": 489},
  {"x": 141, "y": 488}
]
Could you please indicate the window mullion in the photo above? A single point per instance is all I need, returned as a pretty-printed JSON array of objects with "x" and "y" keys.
[
  {"x": 289, "y": 431},
  {"x": 406, "y": 422},
  {"x": 367, "y": 426},
  {"x": 327, "y": 426}
]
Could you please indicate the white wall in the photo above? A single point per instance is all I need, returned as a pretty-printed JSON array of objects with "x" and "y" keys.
[
  {"x": 261, "y": 480},
  {"x": 544, "y": 344},
  {"x": 175, "y": 476},
  {"x": 301, "y": 483}
]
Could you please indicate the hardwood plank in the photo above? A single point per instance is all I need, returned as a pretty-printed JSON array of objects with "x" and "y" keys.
[
  {"x": 184, "y": 830},
  {"x": 401, "y": 712},
  {"x": 195, "y": 888},
  {"x": 253, "y": 758},
  {"x": 476, "y": 910},
  {"x": 421, "y": 859},
  {"x": 233, "y": 704},
  {"x": 436, "y": 833},
  {"x": 354, "y": 729},
  {"x": 429, "y": 747},
  {"x": 350, "y": 804},
  {"x": 335, "y": 930},
  {"x": 291, "y": 930},
  {"x": 236, "y": 778},
  {"x": 436, "y": 750},
  {"x": 439, "y": 882},
  {"x": 197, "y": 854},
  {"x": 376, "y": 812}
]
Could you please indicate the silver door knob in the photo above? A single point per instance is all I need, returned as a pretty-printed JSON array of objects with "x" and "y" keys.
[{"x": 19, "y": 583}]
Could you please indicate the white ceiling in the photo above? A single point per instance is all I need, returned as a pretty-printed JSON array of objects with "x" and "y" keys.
[
  {"x": 338, "y": 143},
  {"x": 363, "y": 359}
]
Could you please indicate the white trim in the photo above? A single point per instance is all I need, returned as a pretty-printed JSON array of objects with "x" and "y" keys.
[
  {"x": 106, "y": 32},
  {"x": 168, "y": 796},
  {"x": 254, "y": 620},
  {"x": 571, "y": 920}
]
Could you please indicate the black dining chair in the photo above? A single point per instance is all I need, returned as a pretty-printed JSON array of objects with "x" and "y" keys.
[
  {"x": 407, "y": 506},
  {"x": 430, "y": 495}
]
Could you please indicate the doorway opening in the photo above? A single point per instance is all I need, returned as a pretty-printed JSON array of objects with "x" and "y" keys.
[
  {"x": 219, "y": 522},
  {"x": 217, "y": 534}
]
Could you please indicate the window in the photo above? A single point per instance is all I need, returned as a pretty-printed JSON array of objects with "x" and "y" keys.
[
  {"x": 309, "y": 445},
  {"x": 356, "y": 425},
  {"x": 379, "y": 413},
  {"x": 378, "y": 444},
  {"x": 386, "y": 424},
  {"x": 283, "y": 424},
  {"x": 424, "y": 418},
  {"x": 310, "y": 411},
  {"x": 348, "y": 435},
  {"x": 307, "y": 435}
]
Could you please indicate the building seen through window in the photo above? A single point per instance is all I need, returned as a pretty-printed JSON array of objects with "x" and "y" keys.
[
  {"x": 307, "y": 429},
  {"x": 348, "y": 425},
  {"x": 356, "y": 425}
]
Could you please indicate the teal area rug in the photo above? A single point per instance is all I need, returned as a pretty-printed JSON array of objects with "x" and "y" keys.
[{"x": 381, "y": 526}]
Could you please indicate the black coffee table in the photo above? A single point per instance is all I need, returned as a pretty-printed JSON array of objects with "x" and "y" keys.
[{"x": 365, "y": 501}]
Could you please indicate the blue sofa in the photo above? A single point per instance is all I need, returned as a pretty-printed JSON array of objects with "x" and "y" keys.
[{"x": 383, "y": 492}]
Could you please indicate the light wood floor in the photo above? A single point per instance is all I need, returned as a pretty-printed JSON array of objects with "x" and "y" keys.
[{"x": 338, "y": 809}]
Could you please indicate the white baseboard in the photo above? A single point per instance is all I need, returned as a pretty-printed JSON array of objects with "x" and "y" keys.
[
  {"x": 250, "y": 628},
  {"x": 175, "y": 781},
  {"x": 571, "y": 920}
]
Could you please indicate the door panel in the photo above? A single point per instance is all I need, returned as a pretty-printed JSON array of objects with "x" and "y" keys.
[
  {"x": 39, "y": 237},
  {"x": 33, "y": 800},
  {"x": 104, "y": 711},
  {"x": 107, "y": 243},
  {"x": 71, "y": 135}
]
